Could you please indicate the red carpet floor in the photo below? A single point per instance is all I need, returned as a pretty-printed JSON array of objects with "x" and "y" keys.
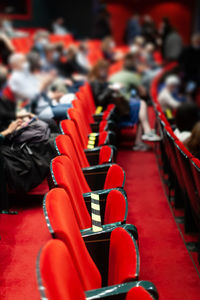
[{"x": 164, "y": 258}]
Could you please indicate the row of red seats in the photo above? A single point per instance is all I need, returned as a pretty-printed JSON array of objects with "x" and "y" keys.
[
  {"x": 94, "y": 253},
  {"x": 182, "y": 168}
]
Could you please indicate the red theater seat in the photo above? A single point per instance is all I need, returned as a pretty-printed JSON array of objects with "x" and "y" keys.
[
  {"x": 62, "y": 169},
  {"x": 59, "y": 279},
  {"x": 97, "y": 155},
  {"x": 123, "y": 263}
]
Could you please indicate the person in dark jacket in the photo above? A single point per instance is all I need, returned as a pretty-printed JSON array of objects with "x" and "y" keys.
[{"x": 190, "y": 60}]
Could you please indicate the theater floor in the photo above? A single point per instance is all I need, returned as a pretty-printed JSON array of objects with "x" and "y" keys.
[{"x": 164, "y": 258}]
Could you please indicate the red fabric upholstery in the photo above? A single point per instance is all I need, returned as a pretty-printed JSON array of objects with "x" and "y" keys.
[
  {"x": 115, "y": 207},
  {"x": 122, "y": 257},
  {"x": 105, "y": 155},
  {"x": 184, "y": 149},
  {"x": 58, "y": 273},
  {"x": 69, "y": 128},
  {"x": 65, "y": 147},
  {"x": 115, "y": 177},
  {"x": 64, "y": 175},
  {"x": 80, "y": 126},
  {"x": 103, "y": 125},
  {"x": 103, "y": 138},
  {"x": 138, "y": 293},
  {"x": 64, "y": 223}
]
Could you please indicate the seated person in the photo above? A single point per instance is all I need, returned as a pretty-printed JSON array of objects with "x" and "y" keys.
[
  {"x": 129, "y": 76},
  {"x": 131, "y": 110},
  {"x": 187, "y": 115},
  {"x": 24, "y": 82},
  {"x": 58, "y": 27},
  {"x": 68, "y": 64},
  {"x": 82, "y": 56},
  {"x": 168, "y": 96},
  {"x": 50, "y": 105},
  {"x": 107, "y": 47},
  {"x": 193, "y": 142},
  {"x": 41, "y": 39}
]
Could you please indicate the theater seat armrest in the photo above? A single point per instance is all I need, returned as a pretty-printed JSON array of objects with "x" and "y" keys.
[
  {"x": 93, "y": 154},
  {"x": 97, "y": 168},
  {"x": 88, "y": 233},
  {"x": 98, "y": 117},
  {"x": 103, "y": 193},
  {"x": 119, "y": 291}
]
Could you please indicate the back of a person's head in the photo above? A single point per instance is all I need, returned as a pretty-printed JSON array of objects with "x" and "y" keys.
[
  {"x": 129, "y": 61},
  {"x": 98, "y": 69},
  {"x": 15, "y": 59},
  {"x": 34, "y": 61},
  {"x": 193, "y": 143},
  {"x": 196, "y": 39},
  {"x": 187, "y": 115}
]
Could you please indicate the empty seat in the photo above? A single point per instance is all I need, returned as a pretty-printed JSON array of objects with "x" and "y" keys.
[
  {"x": 58, "y": 278},
  {"x": 117, "y": 259},
  {"x": 62, "y": 169}
]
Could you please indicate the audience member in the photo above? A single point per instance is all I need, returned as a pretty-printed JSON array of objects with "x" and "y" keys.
[
  {"x": 101, "y": 27},
  {"x": 58, "y": 27},
  {"x": 133, "y": 28},
  {"x": 149, "y": 31},
  {"x": 168, "y": 97},
  {"x": 24, "y": 84},
  {"x": 187, "y": 115},
  {"x": 193, "y": 142},
  {"x": 190, "y": 62}
]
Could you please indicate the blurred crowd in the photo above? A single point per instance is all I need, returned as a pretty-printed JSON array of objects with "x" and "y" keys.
[{"x": 39, "y": 86}]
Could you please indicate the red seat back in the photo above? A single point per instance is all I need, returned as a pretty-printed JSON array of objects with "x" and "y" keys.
[
  {"x": 65, "y": 146},
  {"x": 82, "y": 130},
  {"x": 65, "y": 226},
  {"x": 69, "y": 128},
  {"x": 63, "y": 175},
  {"x": 59, "y": 276}
]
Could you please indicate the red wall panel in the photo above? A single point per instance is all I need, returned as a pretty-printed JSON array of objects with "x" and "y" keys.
[{"x": 179, "y": 12}]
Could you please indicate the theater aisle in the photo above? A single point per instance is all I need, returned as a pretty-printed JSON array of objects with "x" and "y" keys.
[
  {"x": 22, "y": 236},
  {"x": 164, "y": 257}
]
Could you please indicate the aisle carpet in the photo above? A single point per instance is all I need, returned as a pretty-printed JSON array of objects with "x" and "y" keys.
[{"x": 164, "y": 257}]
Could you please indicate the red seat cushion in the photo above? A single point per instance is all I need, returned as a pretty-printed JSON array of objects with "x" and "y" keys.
[
  {"x": 138, "y": 293},
  {"x": 105, "y": 155},
  {"x": 123, "y": 257},
  {"x": 116, "y": 205},
  {"x": 115, "y": 177}
]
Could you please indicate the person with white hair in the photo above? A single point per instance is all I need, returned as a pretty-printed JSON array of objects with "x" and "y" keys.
[
  {"x": 24, "y": 84},
  {"x": 166, "y": 96}
]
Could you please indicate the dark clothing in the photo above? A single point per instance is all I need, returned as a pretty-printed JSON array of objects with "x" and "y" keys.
[
  {"x": 133, "y": 30},
  {"x": 149, "y": 32},
  {"x": 102, "y": 95},
  {"x": 70, "y": 67},
  {"x": 4, "y": 53},
  {"x": 190, "y": 64},
  {"x": 27, "y": 165},
  {"x": 101, "y": 28},
  {"x": 7, "y": 113}
]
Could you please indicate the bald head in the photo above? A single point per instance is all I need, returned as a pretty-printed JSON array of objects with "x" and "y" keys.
[{"x": 16, "y": 61}]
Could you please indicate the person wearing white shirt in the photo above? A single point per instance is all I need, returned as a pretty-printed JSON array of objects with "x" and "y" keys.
[{"x": 166, "y": 99}]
